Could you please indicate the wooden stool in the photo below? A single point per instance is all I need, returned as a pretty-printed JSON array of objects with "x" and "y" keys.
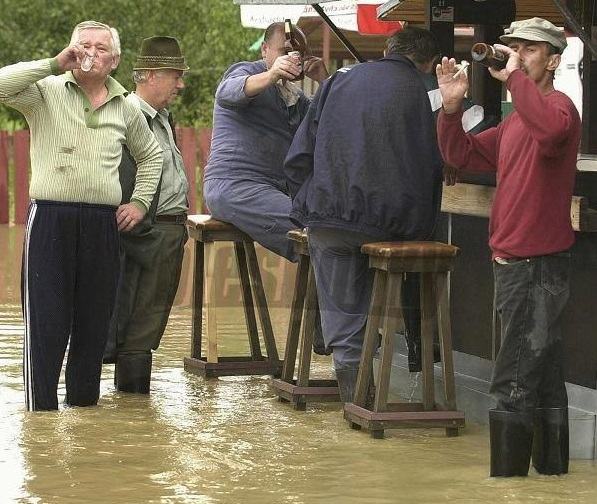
[
  {"x": 206, "y": 231},
  {"x": 303, "y": 389},
  {"x": 390, "y": 260}
]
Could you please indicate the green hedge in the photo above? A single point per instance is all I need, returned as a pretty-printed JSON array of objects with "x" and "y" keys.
[{"x": 209, "y": 31}]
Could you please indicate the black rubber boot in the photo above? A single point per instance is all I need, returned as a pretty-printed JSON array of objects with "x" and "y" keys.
[
  {"x": 511, "y": 440},
  {"x": 413, "y": 343},
  {"x": 318, "y": 344},
  {"x": 550, "y": 441},
  {"x": 347, "y": 380},
  {"x": 133, "y": 372}
]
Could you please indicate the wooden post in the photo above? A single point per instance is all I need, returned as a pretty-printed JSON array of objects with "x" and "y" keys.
[
  {"x": 188, "y": 148},
  {"x": 589, "y": 114},
  {"x": 3, "y": 177},
  {"x": 204, "y": 135},
  {"x": 21, "y": 182},
  {"x": 440, "y": 21},
  {"x": 485, "y": 90},
  {"x": 326, "y": 45}
]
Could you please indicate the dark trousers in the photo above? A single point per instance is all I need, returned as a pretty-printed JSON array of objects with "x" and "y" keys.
[
  {"x": 69, "y": 275},
  {"x": 344, "y": 282},
  {"x": 530, "y": 296},
  {"x": 146, "y": 294}
]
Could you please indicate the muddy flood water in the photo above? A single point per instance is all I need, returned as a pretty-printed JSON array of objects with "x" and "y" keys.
[{"x": 229, "y": 440}]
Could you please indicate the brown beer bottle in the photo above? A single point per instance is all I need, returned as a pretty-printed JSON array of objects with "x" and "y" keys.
[
  {"x": 292, "y": 47},
  {"x": 487, "y": 55}
]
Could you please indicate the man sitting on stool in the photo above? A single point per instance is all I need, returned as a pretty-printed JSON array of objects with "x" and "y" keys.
[{"x": 364, "y": 167}]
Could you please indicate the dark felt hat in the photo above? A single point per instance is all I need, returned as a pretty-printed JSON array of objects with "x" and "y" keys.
[{"x": 160, "y": 52}]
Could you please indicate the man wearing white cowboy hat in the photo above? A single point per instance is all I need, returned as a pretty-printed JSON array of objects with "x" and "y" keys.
[
  {"x": 152, "y": 253},
  {"x": 534, "y": 153}
]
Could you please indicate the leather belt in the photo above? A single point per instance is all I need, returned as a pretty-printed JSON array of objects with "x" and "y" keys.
[{"x": 172, "y": 219}]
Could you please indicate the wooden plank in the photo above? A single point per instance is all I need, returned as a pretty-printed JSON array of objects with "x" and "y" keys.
[
  {"x": 188, "y": 148},
  {"x": 260, "y": 301},
  {"x": 210, "y": 302},
  {"x": 296, "y": 317},
  {"x": 393, "y": 313},
  {"x": 310, "y": 316},
  {"x": 3, "y": 177},
  {"x": 197, "y": 322},
  {"x": 413, "y": 11},
  {"x": 427, "y": 319},
  {"x": 378, "y": 299},
  {"x": 468, "y": 199},
  {"x": 247, "y": 299},
  {"x": 477, "y": 200},
  {"x": 21, "y": 182},
  {"x": 445, "y": 339}
]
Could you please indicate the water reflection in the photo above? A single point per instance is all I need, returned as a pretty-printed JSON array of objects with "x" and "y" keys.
[{"x": 228, "y": 440}]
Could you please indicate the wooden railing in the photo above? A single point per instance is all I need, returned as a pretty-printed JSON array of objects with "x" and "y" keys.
[{"x": 14, "y": 156}]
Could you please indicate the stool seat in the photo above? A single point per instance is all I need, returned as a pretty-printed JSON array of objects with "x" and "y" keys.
[
  {"x": 205, "y": 228},
  {"x": 414, "y": 249}
]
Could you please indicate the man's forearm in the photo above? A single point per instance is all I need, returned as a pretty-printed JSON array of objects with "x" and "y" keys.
[
  {"x": 258, "y": 83},
  {"x": 148, "y": 177},
  {"x": 16, "y": 78}
]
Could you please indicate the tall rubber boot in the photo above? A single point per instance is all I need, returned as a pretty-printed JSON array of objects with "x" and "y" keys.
[
  {"x": 411, "y": 311},
  {"x": 347, "y": 380},
  {"x": 133, "y": 372},
  {"x": 551, "y": 441},
  {"x": 318, "y": 343},
  {"x": 511, "y": 440}
]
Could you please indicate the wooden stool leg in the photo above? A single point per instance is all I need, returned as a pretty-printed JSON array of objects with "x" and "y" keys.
[
  {"x": 390, "y": 324},
  {"x": 296, "y": 317},
  {"x": 445, "y": 341},
  {"x": 378, "y": 297},
  {"x": 210, "y": 298},
  {"x": 392, "y": 315},
  {"x": 259, "y": 296},
  {"x": 427, "y": 316},
  {"x": 306, "y": 341},
  {"x": 197, "y": 301},
  {"x": 245, "y": 289}
]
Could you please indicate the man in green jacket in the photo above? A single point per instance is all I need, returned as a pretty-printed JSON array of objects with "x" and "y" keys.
[{"x": 152, "y": 253}]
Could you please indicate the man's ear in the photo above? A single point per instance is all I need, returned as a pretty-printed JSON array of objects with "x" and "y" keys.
[
  {"x": 115, "y": 61},
  {"x": 553, "y": 62},
  {"x": 263, "y": 47}
]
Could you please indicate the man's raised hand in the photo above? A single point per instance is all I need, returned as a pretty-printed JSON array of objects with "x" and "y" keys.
[
  {"x": 452, "y": 87},
  {"x": 70, "y": 57}
]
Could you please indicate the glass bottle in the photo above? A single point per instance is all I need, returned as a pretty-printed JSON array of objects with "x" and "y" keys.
[
  {"x": 292, "y": 47},
  {"x": 489, "y": 56}
]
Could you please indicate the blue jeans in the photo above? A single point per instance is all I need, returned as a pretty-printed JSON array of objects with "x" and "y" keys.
[{"x": 530, "y": 296}]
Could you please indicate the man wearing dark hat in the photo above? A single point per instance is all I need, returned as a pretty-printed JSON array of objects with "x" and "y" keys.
[
  {"x": 534, "y": 153},
  {"x": 151, "y": 254}
]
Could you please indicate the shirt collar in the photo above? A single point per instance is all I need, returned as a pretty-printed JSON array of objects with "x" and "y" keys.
[
  {"x": 113, "y": 86},
  {"x": 146, "y": 108},
  {"x": 399, "y": 57}
]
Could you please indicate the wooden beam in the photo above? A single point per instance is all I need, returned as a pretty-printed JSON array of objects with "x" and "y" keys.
[
  {"x": 477, "y": 200},
  {"x": 414, "y": 10}
]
